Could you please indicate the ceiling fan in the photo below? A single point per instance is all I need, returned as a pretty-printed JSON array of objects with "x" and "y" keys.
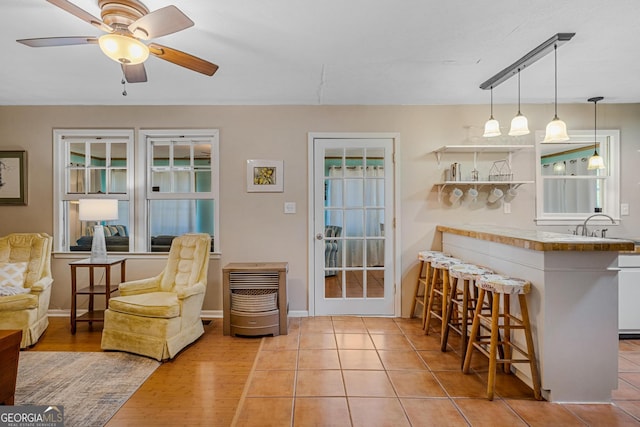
[{"x": 126, "y": 23}]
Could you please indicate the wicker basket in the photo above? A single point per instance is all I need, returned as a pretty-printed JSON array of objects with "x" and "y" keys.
[{"x": 254, "y": 300}]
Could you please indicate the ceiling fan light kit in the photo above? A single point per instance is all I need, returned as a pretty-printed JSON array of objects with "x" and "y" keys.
[
  {"x": 126, "y": 23},
  {"x": 123, "y": 49}
]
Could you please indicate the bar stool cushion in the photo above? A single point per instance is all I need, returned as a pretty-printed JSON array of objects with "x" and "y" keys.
[
  {"x": 503, "y": 284},
  {"x": 429, "y": 255},
  {"x": 468, "y": 271},
  {"x": 445, "y": 262}
]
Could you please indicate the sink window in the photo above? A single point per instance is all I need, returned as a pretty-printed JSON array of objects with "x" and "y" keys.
[{"x": 568, "y": 192}]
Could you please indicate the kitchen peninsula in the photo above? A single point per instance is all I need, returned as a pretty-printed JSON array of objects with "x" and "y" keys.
[{"x": 573, "y": 303}]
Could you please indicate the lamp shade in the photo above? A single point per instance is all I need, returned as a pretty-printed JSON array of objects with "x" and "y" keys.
[
  {"x": 556, "y": 131},
  {"x": 98, "y": 209},
  {"x": 519, "y": 126},
  {"x": 123, "y": 49},
  {"x": 491, "y": 128},
  {"x": 595, "y": 162}
]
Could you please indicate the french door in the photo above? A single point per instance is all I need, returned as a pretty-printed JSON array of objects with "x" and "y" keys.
[{"x": 353, "y": 232}]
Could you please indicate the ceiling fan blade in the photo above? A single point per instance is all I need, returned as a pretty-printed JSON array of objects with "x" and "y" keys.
[
  {"x": 81, "y": 13},
  {"x": 134, "y": 73},
  {"x": 58, "y": 41},
  {"x": 183, "y": 59},
  {"x": 160, "y": 22}
]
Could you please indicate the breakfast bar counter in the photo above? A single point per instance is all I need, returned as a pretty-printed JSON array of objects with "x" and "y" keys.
[{"x": 573, "y": 304}]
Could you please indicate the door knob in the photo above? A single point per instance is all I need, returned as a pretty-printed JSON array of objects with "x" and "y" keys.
[{"x": 319, "y": 236}]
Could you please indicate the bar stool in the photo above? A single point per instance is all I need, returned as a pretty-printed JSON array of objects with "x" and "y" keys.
[
  {"x": 494, "y": 285},
  {"x": 439, "y": 290},
  {"x": 421, "y": 293},
  {"x": 462, "y": 302}
]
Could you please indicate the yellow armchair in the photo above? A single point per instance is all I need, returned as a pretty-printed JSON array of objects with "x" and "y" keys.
[
  {"x": 27, "y": 308},
  {"x": 159, "y": 316}
]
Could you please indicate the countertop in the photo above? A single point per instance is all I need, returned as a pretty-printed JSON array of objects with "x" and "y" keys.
[{"x": 539, "y": 240}]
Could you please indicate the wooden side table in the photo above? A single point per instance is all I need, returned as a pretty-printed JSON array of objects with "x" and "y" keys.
[
  {"x": 93, "y": 289},
  {"x": 9, "y": 355}
]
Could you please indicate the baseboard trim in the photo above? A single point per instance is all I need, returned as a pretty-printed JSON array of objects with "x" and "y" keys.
[{"x": 205, "y": 314}]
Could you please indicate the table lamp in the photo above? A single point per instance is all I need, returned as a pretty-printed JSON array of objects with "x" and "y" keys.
[{"x": 98, "y": 210}]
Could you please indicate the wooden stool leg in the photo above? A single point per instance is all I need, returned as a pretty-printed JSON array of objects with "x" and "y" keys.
[
  {"x": 427, "y": 289},
  {"x": 432, "y": 294},
  {"x": 417, "y": 290},
  {"x": 475, "y": 326},
  {"x": 465, "y": 318},
  {"x": 447, "y": 320},
  {"x": 535, "y": 376},
  {"x": 506, "y": 303},
  {"x": 493, "y": 347},
  {"x": 445, "y": 298}
]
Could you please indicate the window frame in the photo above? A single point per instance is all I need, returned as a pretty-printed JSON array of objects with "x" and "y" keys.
[
  {"x": 143, "y": 176},
  {"x": 137, "y": 183},
  {"x": 611, "y": 178},
  {"x": 61, "y": 139}
]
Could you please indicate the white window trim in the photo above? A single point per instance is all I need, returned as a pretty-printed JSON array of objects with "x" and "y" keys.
[
  {"x": 141, "y": 179},
  {"x": 611, "y": 205},
  {"x": 59, "y": 174}
]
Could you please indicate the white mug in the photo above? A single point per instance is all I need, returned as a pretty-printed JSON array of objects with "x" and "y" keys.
[
  {"x": 511, "y": 194},
  {"x": 472, "y": 194},
  {"x": 455, "y": 195},
  {"x": 495, "y": 195}
]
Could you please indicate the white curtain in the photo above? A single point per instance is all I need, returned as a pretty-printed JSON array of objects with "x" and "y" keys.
[
  {"x": 569, "y": 195},
  {"x": 361, "y": 195},
  {"x": 172, "y": 217}
]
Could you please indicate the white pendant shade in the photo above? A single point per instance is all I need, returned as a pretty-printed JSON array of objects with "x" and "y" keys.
[
  {"x": 519, "y": 126},
  {"x": 556, "y": 131},
  {"x": 123, "y": 49},
  {"x": 595, "y": 162},
  {"x": 491, "y": 128}
]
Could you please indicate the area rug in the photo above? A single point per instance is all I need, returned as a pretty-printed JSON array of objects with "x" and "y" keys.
[{"x": 90, "y": 386}]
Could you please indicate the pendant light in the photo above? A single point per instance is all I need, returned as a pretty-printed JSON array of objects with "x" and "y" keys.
[
  {"x": 519, "y": 124},
  {"x": 595, "y": 161},
  {"x": 491, "y": 127},
  {"x": 556, "y": 129}
]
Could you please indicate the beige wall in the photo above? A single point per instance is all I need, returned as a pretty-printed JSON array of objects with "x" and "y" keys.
[{"x": 253, "y": 226}]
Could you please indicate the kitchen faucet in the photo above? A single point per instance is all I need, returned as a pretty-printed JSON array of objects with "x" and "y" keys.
[{"x": 585, "y": 232}]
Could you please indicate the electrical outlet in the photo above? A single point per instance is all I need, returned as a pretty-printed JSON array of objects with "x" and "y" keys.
[
  {"x": 624, "y": 208},
  {"x": 507, "y": 207}
]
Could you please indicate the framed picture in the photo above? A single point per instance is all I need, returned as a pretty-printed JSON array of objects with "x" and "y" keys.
[
  {"x": 13, "y": 177},
  {"x": 265, "y": 176}
]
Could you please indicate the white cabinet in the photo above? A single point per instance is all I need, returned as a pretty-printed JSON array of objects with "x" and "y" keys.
[{"x": 629, "y": 294}]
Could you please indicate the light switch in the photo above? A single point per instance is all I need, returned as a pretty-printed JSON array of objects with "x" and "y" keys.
[
  {"x": 289, "y": 207},
  {"x": 624, "y": 208}
]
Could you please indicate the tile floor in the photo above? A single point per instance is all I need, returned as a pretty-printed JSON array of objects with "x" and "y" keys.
[{"x": 351, "y": 371}]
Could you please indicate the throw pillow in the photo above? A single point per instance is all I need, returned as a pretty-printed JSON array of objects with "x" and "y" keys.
[
  {"x": 8, "y": 290},
  {"x": 12, "y": 273}
]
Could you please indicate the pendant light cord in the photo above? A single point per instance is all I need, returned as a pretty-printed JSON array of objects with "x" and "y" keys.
[
  {"x": 555, "y": 55},
  {"x": 491, "y": 103},
  {"x": 595, "y": 127},
  {"x": 519, "y": 91}
]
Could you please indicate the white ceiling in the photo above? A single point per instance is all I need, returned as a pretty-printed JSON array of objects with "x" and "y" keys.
[{"x": 327, "y": 52}]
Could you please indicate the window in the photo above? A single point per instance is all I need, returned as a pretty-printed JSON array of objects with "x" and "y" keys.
[
  {"x": 168, "y": 183},
  {"x": 567, "y": 192},
  {"x": 181, "y": 192}
]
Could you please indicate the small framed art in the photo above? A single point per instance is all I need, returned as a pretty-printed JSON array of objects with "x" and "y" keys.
[
  {"x": 265, "y": 176},
  {"x": 13, "y": 177}
]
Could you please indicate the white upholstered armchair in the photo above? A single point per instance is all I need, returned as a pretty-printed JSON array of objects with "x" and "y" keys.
[
  {"x": 25, "y": 284},
  {"x": 159, "y": 316}
]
